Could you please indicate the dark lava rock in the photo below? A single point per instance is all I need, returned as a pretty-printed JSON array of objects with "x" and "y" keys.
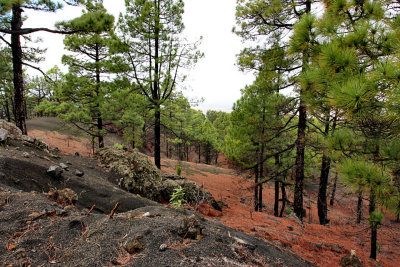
[
  {"x": 55, "y": 171},
  {"x": 79, "y": 173}
]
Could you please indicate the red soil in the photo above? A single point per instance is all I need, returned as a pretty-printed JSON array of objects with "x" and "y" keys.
[{"x": 321, "y": 245}]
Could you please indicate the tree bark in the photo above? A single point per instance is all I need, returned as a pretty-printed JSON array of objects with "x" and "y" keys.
[
  {"x": 332, "y": 200},
  {"x": 256, "y": 169},
  {"x": 157, "y": 133},
  {"x": 323, "y": 184},
  {"x": 99, "y": 116},
  {"x": 260, "y": 186},
  {"x": 283, "y": 189},
  {"x": 299, "y": 165},
  {"x": 276, "y": 203},
  {"x": 16, "y": 24},
  {"x": 374, "y": 225},
  {"x": 359, "y": 206}
]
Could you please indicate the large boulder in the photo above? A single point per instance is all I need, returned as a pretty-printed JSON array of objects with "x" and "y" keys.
[
  {"x": 12, "y": 130},
  {"x": 9, "y": 130},
  {"x": 139, "y": 174}
]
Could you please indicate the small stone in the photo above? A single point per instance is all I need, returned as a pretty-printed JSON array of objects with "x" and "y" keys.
[
  {"x": 147, "y": 214},
  {"x": 163, "y": 247},
  {"x": 55, "y": 171},
  {"x": 26, "y": 155},
  {"x": 79, "y": 173},
  {"x": 64, "y": 166}
]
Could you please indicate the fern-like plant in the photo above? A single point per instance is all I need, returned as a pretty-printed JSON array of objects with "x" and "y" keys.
[{"x": 177, "y": 198}]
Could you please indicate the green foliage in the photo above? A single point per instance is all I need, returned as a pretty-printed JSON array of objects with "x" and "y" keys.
[
  {"x": 375, "y": 219},
  {"x": 116, "y": 145},
  {"x": 177, "y": 198},
  {"x": 178, "y": 170}
]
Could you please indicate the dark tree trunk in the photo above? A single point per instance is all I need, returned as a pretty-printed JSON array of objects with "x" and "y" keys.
[
  {"x": 359, "y": 206},
  {"x": 331, "y": 202},
  {"x": 157, "y": 132},
  {"x": 256, "y": 169},
  {"x": 100, "y": 131},
  {"x": 284, "y": 199},
  {"x": 260, "y": 186},
  {"x": 276, "y": 203},
  {"x": 323, "y": 184},
  {"x": 323, "y": 180},
  {"x": 374, "y": 225},
  {"x": 99, "y": 116},
  {"x": 16, "y": 24},
  {"x": 199, "y": 153},
  {"x": 301, "y": 140},
  {"x": 299, "y": 165}
]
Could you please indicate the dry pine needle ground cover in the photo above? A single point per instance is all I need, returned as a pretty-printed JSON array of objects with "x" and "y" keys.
[{"x": 321, "y": 245}]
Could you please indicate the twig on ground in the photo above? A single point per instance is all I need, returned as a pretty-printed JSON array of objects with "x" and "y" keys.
[
  {"x": 114, "y": 210},
  {"x": 89, "y": 212}
]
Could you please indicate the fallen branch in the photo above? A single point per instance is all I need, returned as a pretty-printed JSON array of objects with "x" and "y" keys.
[
  {"x": 89, "y": 212},
  {"x": 114, "y": 209},
  {"x": 44, "y": 215}
]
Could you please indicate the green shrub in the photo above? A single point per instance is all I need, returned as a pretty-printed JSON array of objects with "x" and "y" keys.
[
  {"x": 178, "y": 170},
  {"x": 116, "y": 145},
  {"x": 177, "y": 198}
]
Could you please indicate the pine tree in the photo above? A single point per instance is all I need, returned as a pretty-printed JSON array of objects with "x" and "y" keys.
[
  {"x": 155, "y": 52},
  {"x": 11, "y": 13}
]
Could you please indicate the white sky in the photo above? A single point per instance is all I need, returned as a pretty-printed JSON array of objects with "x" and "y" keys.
[{"x": 215, "y": 77}]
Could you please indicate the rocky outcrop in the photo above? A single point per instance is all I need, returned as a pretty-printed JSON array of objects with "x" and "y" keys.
[
  {"x": 9, "y": 130},
  {"x": 140, "y": 176},
  {"x": 12, "y": 130}
]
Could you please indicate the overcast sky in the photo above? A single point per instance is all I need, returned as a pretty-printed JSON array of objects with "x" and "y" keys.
[{"x": 215, "y": 77}]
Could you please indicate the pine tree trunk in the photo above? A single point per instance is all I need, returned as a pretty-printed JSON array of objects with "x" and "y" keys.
[
  {"x": 359, "y": 206},
  {"x": 299, "y": 165},
  {"x": 301, "y": 141},
  {"x": 331, "y": 202},
  {"x": 374, "y": 225},
  {"x": 100, "y": 129},
  {"x": 256, "y": 203},
  {"x": 16, "y": 24},
  {"x": 284, "y": 199},
  {"x": 199, "y": 153},
  {"x": 256, "y": 190},
  {"x": 323, "y": 184},
  {"x": 260, "y": 186},
  {"x": 276, "y": 203},
  {"x": 157, "y": 136}
]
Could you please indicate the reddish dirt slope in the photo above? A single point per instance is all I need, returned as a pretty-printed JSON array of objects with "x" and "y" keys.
[{"x": 321, "y": 245}]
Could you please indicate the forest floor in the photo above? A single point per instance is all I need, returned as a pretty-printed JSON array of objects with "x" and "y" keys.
[{"x": 320, "y": 245}]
